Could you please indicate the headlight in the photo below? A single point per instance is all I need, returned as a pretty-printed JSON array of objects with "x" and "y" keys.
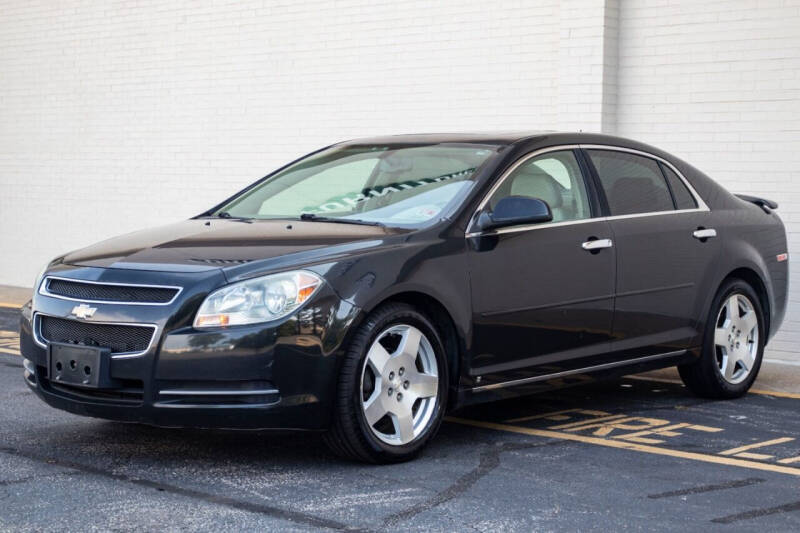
[{"x": 257, "y": 300}]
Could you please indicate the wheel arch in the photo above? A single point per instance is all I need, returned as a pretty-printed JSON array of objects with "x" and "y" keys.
[
  {"x": 745, "y": 258},
  {"x": 752, "y": 278},
  {"x": 442, "y": 318}
]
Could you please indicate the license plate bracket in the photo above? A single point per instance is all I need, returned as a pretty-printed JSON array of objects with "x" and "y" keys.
[{"x": 79, "y": 366}]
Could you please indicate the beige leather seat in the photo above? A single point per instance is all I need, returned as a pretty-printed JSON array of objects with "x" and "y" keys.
[{"x": 536, "y": 183}]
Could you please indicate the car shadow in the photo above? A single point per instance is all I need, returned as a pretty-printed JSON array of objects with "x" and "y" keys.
[{"x": 91, "y": 438}]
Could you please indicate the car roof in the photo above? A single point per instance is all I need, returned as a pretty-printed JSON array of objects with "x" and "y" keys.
[
  {"x": 534, "y": 138},
  {"x": 526, "y": 141},
  {"x": 497, "y": 137}
]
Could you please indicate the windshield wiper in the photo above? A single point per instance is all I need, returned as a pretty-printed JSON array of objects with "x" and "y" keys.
[
  {"x": 311, "y": 217},
  {"x": 228, "y": 216}
]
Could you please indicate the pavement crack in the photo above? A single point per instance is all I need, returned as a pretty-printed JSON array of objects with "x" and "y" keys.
[
  {"x": 243, "y": 505},
  {"x": 756, "y": 513},
  {"x": 489, "y": 460},
  {"x": 7, "y": 482},
  {"x": 735, "y": 484}
]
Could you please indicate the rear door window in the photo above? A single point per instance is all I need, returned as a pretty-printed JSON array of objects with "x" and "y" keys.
[{"x": 632, "y": 183}]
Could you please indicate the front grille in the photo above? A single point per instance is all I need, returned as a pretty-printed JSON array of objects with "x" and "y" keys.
[
  {"x": 119, "y": 338},
  {"x": 124, "y": 395},
  {"x": 110, "y": 293}
]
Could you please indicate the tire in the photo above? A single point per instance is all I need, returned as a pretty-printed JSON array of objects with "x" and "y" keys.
[
  {"x": 732, "y": 347},
  {"x": 364, "y": 390}
]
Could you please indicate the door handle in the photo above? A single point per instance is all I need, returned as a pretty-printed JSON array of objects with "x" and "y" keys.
[
  {"x": 597, "y": 244},
  {"x": 704, "y": 233}
]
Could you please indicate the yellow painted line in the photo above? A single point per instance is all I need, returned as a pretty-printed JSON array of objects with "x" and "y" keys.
[
  {"x": 10, "y": 305},
  {"x": 641, "y": 436},
  {"x": 778, "y": 394},
  {"x": 632, "y": 446},
  {"x": 790, "y": 460},
  {"x": 758, "y": 456},
  {"x": 556, "y": 415},
  {"x": 591, "y": 422},
  {"x": 733, "y": 451},
  {"x": 9, "y": 342},
  {"x": 707, "y": 429}
]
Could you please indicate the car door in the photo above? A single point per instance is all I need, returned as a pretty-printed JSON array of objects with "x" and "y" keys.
[
  {"x": 542, "y": 294},
  {"x": 665, "y": 251}
]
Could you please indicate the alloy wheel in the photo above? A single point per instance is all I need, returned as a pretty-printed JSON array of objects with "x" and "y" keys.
[
  {"x": 736, "y": 338},
  {"x": 399, "y": 385}
]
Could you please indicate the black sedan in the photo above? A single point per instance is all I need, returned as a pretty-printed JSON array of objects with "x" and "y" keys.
[{"x": 366, "y": 288}]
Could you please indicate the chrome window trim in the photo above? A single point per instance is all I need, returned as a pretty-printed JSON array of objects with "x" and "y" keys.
[
  {"x": 530, "y": 227},
  {"x": 44, "y": 291},
  {"x": 595, "y": 368},
  {"x": 38, "y": 339},
  {"x": 701, "y": 205}
]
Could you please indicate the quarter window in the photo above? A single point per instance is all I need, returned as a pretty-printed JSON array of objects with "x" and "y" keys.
[
  {"x": 683, "y": 198},
  {"x": 554, "y": 177},
  {"x": 632, "y": 183}
]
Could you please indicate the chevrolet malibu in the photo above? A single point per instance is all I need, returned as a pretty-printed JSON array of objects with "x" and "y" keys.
[{"x": 367, "y": 288}]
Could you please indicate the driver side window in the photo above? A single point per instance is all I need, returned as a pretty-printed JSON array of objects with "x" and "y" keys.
[{"x": 554, "y": 177}]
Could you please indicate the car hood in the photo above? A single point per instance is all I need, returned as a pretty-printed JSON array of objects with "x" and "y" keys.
[{"x": 205, "y": 244}]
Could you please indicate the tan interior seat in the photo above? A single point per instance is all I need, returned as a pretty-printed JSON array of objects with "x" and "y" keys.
[{"x": 535, "y": 183}]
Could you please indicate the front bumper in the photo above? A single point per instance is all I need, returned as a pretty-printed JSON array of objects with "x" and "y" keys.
[{"x": 277, "y": 375}]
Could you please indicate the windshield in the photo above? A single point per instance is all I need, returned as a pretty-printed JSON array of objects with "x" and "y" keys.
[{"x": 392, "y": 185}]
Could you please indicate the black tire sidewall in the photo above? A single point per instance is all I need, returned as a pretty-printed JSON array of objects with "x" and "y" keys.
[
  {"x": 391, "y": 316},
  {"x": 709, "y": 360}
]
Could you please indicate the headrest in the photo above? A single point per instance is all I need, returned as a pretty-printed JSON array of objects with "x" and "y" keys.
[{"x": 536, "y": 183}]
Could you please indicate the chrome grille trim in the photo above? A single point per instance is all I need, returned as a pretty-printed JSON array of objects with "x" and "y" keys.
[
  {"x": 39, "y": 339},
  {"x": 237, "y": 392},
  {"x": 43, "y": 290}
]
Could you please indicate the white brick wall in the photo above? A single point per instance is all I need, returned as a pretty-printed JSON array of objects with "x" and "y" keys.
[
  {"x": 718, "y": 84},
  {"x": 587, "y": 65},
  {"x": 115, "y": 115}
]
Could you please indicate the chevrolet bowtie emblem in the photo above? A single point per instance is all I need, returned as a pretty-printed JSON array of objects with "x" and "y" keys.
[{"x": 83, "y": 311}]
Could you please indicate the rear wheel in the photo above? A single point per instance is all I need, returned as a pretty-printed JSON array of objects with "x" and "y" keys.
[
  {"x": 392, "y": 387},
  {"x": 733, "y": 344}
]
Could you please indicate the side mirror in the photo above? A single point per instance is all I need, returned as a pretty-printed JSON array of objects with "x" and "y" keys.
[{"x": 513, "y": 211}]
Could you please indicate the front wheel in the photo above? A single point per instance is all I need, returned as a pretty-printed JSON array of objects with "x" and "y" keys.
[
  {"x": 392, "y": 387},
  {"x": 733, "y": 344}
]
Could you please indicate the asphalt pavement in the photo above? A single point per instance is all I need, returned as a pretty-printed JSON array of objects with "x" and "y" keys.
[{"x": 633, "y": 454}]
